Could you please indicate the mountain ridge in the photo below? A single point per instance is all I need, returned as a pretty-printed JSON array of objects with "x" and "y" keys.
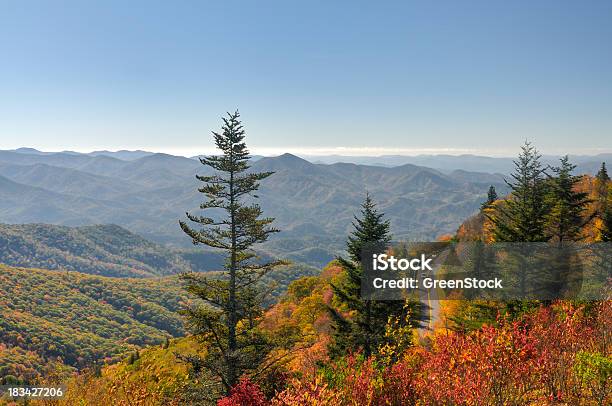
[{"x": 313, "y": 204}]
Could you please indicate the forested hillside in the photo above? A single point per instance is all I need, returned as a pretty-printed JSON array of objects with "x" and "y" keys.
[
  {"x": 480, "y": 226},
  {"x": 106, "y": 250},
  {"x": 75, "y": 320}
]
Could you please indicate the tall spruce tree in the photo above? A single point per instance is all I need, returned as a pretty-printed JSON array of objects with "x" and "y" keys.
[
  {"x": 491, "y": 197},
  {"x": 602, "y": 174},
  {"x": 565, "y": 219},
  {"x": 365, "y": 329},
  {"x": 606, "y": 222},
  {"x": 522, "y": 217},
  {"x": 602, "y": 186},
  {"x": 605, "y": 204},
  {"x": 227, "y": 322}
]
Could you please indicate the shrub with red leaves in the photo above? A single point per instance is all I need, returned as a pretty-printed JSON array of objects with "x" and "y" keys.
[{"x": 246, "y": 393}]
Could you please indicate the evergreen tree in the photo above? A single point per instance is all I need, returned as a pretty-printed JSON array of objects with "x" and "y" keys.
[
  {"x": 606, "y": 221},
  {"x": 368, "y": 230},
  {"x": 603, "y": 207},
  {"x": 602, "y": 174},
  {"x": 567, "y": 205},
  {"x": 227, "y": 322},
  {"x": 491, "y": 197},
  {"x": 365, "y": 329},
  {"x": 522, "y": 216}
]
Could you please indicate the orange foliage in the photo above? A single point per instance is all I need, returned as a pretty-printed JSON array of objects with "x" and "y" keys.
[{"x": 303, "y": 314}]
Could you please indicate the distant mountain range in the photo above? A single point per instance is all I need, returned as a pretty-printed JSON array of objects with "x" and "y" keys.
[
  {"x": 313, "y": 204},
  {"x": 588, "y": 164},
  {"x": 122, "y": 154},
  {"x": 448, "y": 163}
]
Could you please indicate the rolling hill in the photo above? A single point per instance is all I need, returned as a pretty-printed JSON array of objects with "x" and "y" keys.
[
  {"x": 73, "y": 320},
  {"x": 107, "y": 292},
  {"x": 112, "y": 251},
  {"x": 106, "y": 250},
  {"x": 67, "y": 181},
  {"x": 52, "y": 321}
]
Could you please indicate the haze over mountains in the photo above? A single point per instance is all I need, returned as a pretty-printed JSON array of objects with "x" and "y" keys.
[
  {"x": 467, "y": 162},
  {"x": 443, "y": 162},
  {"x": 314, "y": 204}
]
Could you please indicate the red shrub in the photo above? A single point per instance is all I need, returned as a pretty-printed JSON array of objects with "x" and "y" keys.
[{"x": 246, "y": 393}]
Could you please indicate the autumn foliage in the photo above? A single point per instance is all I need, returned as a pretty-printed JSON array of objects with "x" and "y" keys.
[
  {"x": 245, "y": 393},
  {"x": 558, "y": 355}
]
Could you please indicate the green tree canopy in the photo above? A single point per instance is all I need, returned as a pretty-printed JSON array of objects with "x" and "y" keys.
[
  {"x": 491, "y": 197},
  {"x": 565, "y": 218},
  {"x": 365, "y": 329},
  {"x": 522, "y": 216}
]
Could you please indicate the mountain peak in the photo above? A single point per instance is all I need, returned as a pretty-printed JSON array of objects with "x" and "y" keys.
[
  {"x": 30, "y": 151},
  {"x": 290, "y": 157},
  {"x": 27, "y": 150},
  {"x": 283, "y": 162},
  {"x": 123, "y": 154}
]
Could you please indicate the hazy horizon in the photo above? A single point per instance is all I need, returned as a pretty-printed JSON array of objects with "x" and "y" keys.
[{"x": 339, "y": 152}]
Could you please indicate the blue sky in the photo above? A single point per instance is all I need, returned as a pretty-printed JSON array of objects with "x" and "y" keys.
[{"x": 312, "y": 77}]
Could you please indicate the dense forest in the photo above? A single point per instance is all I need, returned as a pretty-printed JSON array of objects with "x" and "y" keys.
[
  {"x": 554, "y": 355},
  {"x": 70, "y": 320},
  {"x": 111, "y": 250},
  {"x": 105, "y": 250}
]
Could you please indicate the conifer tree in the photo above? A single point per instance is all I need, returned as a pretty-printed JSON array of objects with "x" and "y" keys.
[
  {"x": 602, "y": 185},
  {"x": 603, "y": 252},
  {"x": 233, "y": 300},
  {"x": 567, "y": 205},
  {"x": 522, "y": 216},
  {"x": 606, "y": 220},
  {"x": 491, "y": 197},
  {"x": 365, "y": 329},
  {"x": 602, "y": 174}
]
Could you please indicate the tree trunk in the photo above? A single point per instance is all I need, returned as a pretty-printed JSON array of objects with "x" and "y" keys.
[{"x": 232, "y": 347}]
